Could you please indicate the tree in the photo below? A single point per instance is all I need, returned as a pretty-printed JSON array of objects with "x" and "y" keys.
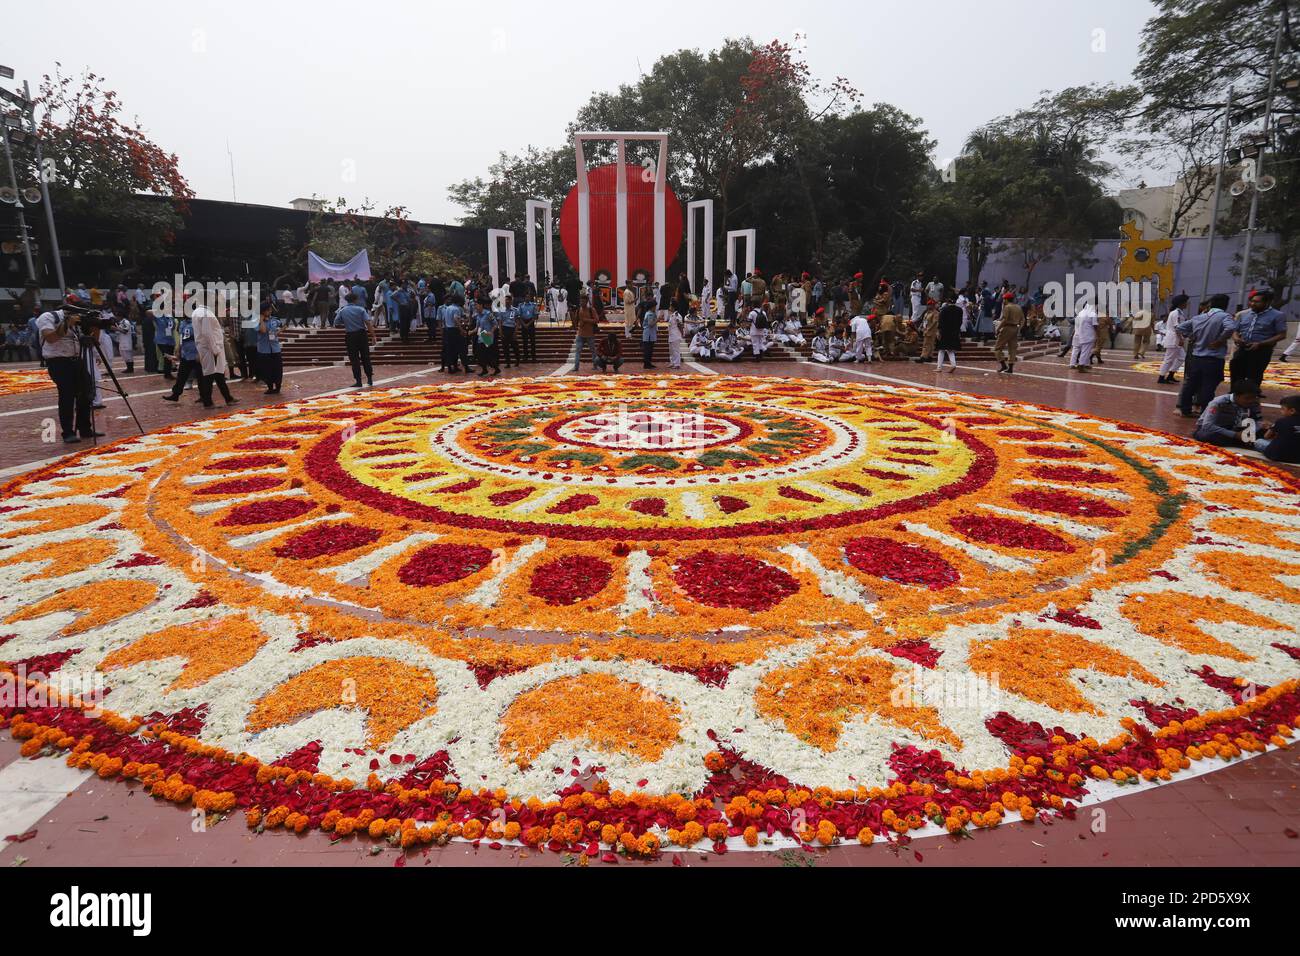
[
  {"x": 1035, "y": 176},
  {"x": 1192, "y": 52},
  {"x": 728, "y": 112},
  {"x": 101, "y": 164},
  {"x": 337, "y": 231},
  {"x": 498, "y": 202}
]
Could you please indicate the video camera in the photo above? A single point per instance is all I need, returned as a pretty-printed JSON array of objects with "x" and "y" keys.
[{"x": 88, "y": 319}]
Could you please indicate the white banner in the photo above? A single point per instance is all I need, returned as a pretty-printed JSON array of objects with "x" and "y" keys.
[{"x": 358, "y": 267}]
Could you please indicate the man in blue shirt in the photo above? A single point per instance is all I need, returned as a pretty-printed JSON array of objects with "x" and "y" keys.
[
  {"x": 164, "y": 337},
  {"x": 429, "y": 312},
  {"x": 508, "y": 322},
  {"x": 450, "y": 316},
  {"x": 187, "y": 355},
  {"x": 269, "y": 358},
  {"x": 1232, "y": 419},
  {"x": 486, "y": 330},
  {"x": 360, "y": 292},
  {"x": 359, "y": 335},
  {"x": 528, "y": 328},
  {"x": 1207, "y": 336},
  {"x": 1259, "y": 328},
  {"x": 402, "y": 305}
]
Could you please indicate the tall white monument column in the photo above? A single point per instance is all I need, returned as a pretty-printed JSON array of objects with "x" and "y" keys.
[
  {"x": 494, "y": 237},
  {"x": 707, "y": 206},
  {"x": 530, "y": 225},
  {"x": 751, "y": 241}
]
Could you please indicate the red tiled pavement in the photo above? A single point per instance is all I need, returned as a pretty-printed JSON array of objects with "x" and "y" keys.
[{"x": 1247, "y": 813}]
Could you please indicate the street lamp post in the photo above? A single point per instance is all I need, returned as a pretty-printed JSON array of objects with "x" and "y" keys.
[
  {"x": 1214, "y": 202},
  {"x": 45, "y": 194},
  {"x": 18, "y": 201},
  {"x": 1259, "y": 164}
]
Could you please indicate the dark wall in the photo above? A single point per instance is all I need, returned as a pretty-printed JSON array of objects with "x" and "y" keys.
[{"x": 220, "y": 239}]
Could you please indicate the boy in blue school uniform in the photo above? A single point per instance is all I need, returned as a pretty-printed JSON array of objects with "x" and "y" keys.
[
  {"x": 1232, "y": 419},
  {"x": 164, "y": 338},
  {"x": 508, "y": 323},
  {"x": 269, "y": 358},
  {"x": 187, "y": 355},
  {"x": 528, "y": 329},
  {"x": 1281, "y": 441}
]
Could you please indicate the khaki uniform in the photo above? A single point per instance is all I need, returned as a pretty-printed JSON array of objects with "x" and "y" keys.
[
  {"x": 929, "y": 332},
  {"x": 888, "y": 335},
  {"x": 1013, "y": 317},
  {"x": 1141, "y": 333},
  {"x": 1104, "y": 325}
]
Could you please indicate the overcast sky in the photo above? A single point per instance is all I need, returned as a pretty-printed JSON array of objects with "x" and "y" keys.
[{"x": 396, "y": 100}]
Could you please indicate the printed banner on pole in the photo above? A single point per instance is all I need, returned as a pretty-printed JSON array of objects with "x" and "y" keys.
[{"x": 358, "y": 267}]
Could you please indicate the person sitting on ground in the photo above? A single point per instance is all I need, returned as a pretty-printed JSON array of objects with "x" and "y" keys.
[
  {"x": 840, "y": 350},
  {"x": 702, "y": 342},
  {"x": 1281, "y": 441},
  {"x": 609, "y": 353},
  {"x": 821, "y": 346},
  {"x": 909, "y": 342},
  {"x": 728, "y": 347},
  {"x": 1231, "y": 420},
  {"x": 791, "y": 332},
  {"x": 693, "y": 322}
]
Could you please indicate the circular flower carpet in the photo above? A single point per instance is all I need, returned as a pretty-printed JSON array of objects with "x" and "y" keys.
[
  {"x": 15, "y": 381},
  {"x": 1278, "y": 375},
  {"x": 611, "y": 614}
]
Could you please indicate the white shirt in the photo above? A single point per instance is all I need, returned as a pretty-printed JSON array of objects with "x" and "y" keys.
[
  {"x": 65, "y": 347},
  {"x": 861, "y": 327},
  {"x": 1085, "y": 326},
  {"x": 1170, "y": 340}
]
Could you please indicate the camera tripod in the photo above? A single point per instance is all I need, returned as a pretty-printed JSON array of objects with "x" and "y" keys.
[{"x": 90, "y": 347}]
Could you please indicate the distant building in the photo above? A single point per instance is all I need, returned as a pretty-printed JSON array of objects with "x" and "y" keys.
[
  {"x": 1153, "y": 209},
  {"x": 307, "y": 205}
]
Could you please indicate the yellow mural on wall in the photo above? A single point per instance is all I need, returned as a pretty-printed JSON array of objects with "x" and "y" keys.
[{"x": 1140, "y": 259}]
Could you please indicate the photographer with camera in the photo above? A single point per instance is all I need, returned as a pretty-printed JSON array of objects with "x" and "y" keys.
[{"x": 60, "y": 343}]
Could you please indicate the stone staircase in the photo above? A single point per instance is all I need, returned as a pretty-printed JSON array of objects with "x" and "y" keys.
[
  {"x": 970, "y": 351},
  {"x": 307, "y": 347}
]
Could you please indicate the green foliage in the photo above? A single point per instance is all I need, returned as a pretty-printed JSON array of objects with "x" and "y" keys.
[
  {"x": 104, "y": 167},
  {"x": 1192, "y": 52}
]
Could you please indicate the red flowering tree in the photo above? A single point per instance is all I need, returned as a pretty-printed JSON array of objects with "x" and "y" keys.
[{"x": 100, "y": 165}]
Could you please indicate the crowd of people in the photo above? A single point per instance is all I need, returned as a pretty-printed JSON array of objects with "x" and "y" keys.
[{"x": 479, "y": 323}]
